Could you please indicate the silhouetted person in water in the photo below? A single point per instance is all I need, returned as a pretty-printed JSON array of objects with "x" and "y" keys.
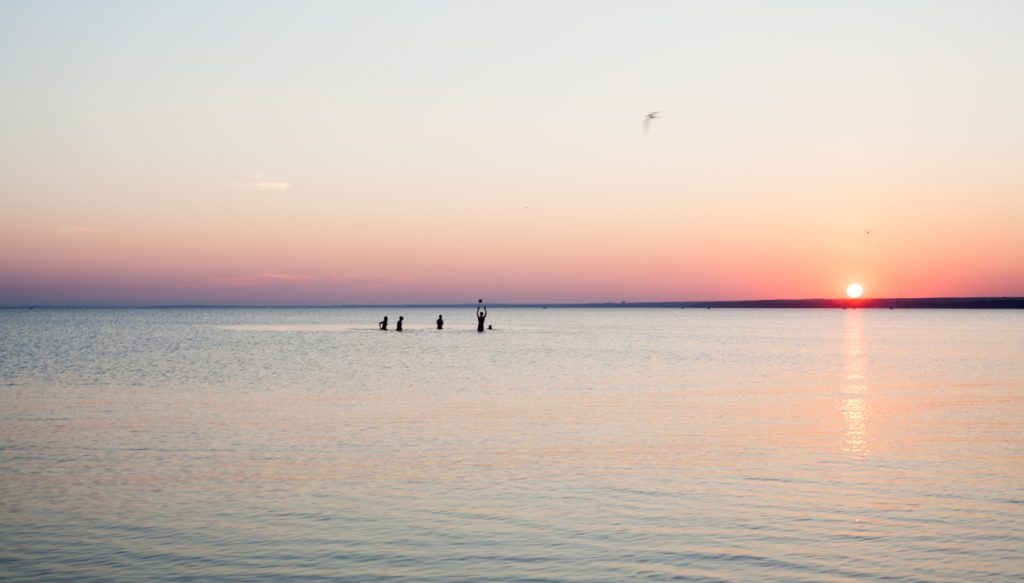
[
  {"x": 398, "y": 326},
  {"x": 481, "y": 313},
  {"x": 383, "y": 324},
  {"x": 440, "y": 322}
]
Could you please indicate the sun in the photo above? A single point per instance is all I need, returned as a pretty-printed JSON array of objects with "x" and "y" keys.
[{"x": 854, "y": 290}]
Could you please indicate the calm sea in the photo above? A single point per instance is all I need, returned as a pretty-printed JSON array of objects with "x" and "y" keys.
[{"x": 564, "y": 445}]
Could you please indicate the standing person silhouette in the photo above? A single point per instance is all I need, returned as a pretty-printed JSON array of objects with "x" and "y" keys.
[
  {"x": 383, "y": 324},
  {"x": 440, "y": 322},
  {"x": 481, "y": 314},
  {"x": 398, "y": 327}
]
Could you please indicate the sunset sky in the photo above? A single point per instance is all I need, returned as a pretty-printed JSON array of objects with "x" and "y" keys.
[{"x": 318, "y": 153}]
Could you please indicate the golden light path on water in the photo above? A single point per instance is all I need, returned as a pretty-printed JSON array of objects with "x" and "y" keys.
[{"x": 855, "y": 405}]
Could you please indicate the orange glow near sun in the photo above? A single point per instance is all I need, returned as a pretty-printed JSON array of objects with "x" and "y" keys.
[{"x": 854, "y": 290}]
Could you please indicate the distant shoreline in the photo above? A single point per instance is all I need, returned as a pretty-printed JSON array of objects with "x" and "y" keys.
[
  {"x": 1014, "y": 303},
  {"x": 979, "y": 303}
]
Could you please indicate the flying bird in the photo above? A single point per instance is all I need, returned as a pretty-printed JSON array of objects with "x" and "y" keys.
[
  {"x": 650, "y": 116},
  {"x": 867, "y": 232}
]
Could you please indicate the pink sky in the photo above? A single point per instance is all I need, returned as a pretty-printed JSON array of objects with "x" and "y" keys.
[{"x": 373, "y": 154}]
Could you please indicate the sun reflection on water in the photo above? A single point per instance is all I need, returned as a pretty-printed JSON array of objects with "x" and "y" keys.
[{"x": 855, "y": 406}]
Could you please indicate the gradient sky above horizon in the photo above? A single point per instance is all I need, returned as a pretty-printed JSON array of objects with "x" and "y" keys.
[{"x": 421, "y": 152}]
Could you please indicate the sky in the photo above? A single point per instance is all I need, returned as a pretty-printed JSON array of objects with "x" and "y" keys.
[{"x": 328, "y": 153}]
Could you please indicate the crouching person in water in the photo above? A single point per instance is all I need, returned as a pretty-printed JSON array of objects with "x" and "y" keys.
[
  {"x": 383, "y": 324},
  {"x": 440, "y": 322},
  {"x": 398, "y": 326}
]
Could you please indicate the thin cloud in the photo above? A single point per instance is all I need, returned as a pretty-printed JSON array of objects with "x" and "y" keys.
[
  {"x": 259, "y": 183},
  {"x": 82, "y": 230},
  {"x": 261, "y": 279}
]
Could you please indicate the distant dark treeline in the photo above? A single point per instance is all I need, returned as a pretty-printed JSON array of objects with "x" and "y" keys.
[{"x": 883, "y": 303}]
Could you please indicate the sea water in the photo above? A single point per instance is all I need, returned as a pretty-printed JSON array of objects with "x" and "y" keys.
[{"x": 564, "y": 445}]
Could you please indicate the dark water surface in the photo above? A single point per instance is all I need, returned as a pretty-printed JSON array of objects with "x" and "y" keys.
[{"x": 567, "y": 444}]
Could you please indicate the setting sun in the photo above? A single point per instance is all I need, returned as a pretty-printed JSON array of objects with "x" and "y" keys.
[{"x": 854, "y": 290}]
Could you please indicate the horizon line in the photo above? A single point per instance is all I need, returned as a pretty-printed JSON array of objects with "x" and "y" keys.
[{"x": 942, "y": 301}]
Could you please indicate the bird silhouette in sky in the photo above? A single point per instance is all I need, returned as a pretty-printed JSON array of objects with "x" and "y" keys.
[
  {"x": 647, "y": 120},
  {"x": 867, "y": 232}
]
